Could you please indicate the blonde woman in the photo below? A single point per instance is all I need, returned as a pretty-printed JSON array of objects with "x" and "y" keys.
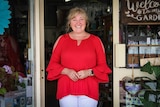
[{"x": 78, "y": 62}]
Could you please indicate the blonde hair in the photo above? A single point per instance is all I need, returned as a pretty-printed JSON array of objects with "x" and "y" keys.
[{"x": 72, "y": 13}]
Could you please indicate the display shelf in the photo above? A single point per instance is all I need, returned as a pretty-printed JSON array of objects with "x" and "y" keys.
[
  {"x": 141, "y": 40},
  {"x": 142, "y": 45}
]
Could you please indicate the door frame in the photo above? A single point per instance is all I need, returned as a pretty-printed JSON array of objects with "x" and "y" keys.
[{"x": 38, "y": 53}]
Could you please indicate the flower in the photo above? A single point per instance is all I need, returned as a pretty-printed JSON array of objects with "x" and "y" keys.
[
  {"x": 7, "y": 69},
  {"x": 10, "y": 79}
]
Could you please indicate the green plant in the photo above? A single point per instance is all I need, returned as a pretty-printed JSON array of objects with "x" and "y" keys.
[
  {"x": 9, "y": 79},
  {"x": 149, "y": 91}
]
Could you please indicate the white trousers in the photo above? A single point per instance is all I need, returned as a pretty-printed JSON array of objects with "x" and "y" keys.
[{"x": 77, "y": 101}]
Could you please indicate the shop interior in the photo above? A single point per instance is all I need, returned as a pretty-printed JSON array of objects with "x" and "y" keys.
[
  {"x": 14, "y": 53},
  {"x": 16, "y": 34},
  {"x": 139, "y": 40},
  {"x": 100, "y": 16}
]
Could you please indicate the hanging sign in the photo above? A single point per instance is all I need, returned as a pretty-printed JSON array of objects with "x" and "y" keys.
[{"x": 140, "y": 11}]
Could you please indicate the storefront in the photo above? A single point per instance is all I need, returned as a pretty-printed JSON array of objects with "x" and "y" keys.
[{"x": 35, "y": 49}]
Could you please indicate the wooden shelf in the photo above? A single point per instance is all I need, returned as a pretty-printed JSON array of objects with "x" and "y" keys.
[
  {"x": 137, "y": 42},
  {"x": 141, "y": 45}
]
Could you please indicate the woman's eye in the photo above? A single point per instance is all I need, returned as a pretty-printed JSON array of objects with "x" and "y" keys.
[{"x": 73, "y": 19}]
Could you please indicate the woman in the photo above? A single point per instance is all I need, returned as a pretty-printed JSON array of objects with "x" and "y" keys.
[{"x": 78, "y": 62}]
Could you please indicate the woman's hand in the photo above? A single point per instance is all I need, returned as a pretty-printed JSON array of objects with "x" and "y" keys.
[
  {"x": 72, "y": 74},
  {"x": 84, "y": 73}
]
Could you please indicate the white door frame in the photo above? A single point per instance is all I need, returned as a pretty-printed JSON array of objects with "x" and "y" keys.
[{"x": 39, "y": 57}]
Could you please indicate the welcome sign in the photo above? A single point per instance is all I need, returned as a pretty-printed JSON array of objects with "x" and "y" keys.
[{"x": 140, "y": 12}]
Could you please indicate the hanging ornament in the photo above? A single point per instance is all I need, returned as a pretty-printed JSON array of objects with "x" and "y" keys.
[
  {"x": 5, "y": 15},
  {"x": 130, "y": 84}
]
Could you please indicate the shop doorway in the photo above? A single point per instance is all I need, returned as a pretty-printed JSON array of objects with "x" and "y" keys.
[{"x": 55, "y": 13}]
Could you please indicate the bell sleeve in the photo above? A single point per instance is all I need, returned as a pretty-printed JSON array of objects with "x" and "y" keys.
[
  {"x": 54, "y": 67},
  {"x": 101, "y": 70}
]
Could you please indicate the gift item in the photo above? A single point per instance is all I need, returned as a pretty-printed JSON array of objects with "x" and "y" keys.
[{"x": 154, "y": 61}]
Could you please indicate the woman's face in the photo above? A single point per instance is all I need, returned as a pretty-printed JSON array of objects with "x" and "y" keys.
[{"x": 78, "y": 23}]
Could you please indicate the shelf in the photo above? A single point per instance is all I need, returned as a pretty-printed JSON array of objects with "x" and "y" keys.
[
  {"x": 138, "y": 44},
  {"x": 142, "y": 45}
]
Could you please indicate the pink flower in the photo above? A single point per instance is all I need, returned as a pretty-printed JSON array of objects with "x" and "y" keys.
[{"x": 7, "y": 69}]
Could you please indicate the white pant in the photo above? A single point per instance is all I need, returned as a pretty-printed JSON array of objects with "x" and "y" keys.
[{"x": 77, "y": 101}]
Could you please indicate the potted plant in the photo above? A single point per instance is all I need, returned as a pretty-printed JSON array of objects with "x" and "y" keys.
[
  {"x": 10, "y": 80},
  {"x": 151, "y": 97}
]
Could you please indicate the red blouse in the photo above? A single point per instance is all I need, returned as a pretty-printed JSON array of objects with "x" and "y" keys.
[{"x": 88, "y": 55}]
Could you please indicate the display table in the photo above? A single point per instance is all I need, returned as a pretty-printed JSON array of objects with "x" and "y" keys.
[{"x": 14, "y": 99}]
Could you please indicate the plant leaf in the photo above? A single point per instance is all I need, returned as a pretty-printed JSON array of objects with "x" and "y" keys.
[
  {"x": 147, "y": 103},
  {"x": 3, "y": 91},
  {"x": 147, "y": 68},
  {"x": 150, "y": 104},
  {"x": 156, "y": 70}
]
